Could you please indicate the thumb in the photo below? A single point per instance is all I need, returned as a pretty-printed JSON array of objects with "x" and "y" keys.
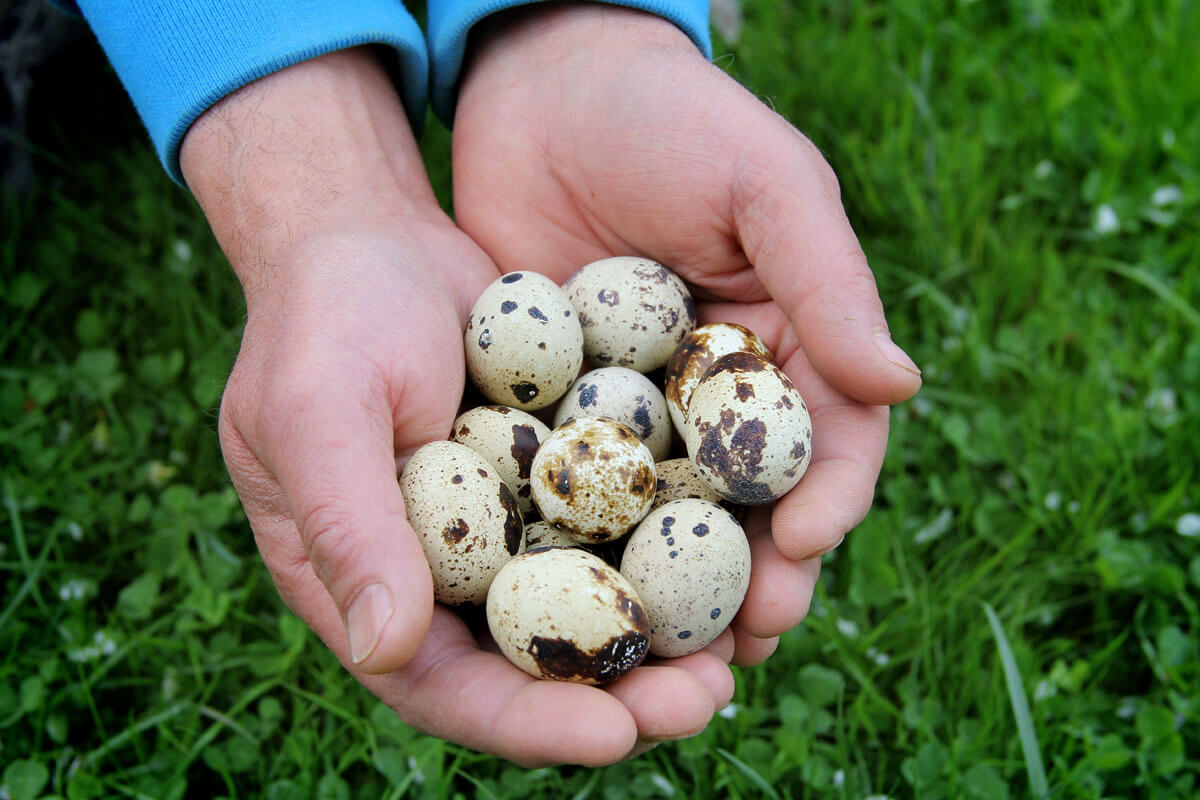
[
  {"x": 789, "y": 217},
  {"x": 333, "y": 456}
]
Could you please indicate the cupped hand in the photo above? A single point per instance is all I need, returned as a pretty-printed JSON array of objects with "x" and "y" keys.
[
  {"x": 357, "y": 290},
  {"x": 586, "y": 131}
]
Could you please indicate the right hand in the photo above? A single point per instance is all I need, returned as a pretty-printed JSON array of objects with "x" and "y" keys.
[{"x": 357, "y": 291}]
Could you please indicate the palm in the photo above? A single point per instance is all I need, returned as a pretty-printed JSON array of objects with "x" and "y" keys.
[{"x": 590, "y": 131}]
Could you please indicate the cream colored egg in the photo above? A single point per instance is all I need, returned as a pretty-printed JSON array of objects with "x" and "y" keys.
[
  {"x": 625, "y": 395},
  {"x": 523, "y": 342},
  {"x": 562, "y": 613},
  {"x": 594, "y": 478},
  {"x": 696, "y": 353},
  {"x": 634, "y": 311},
  {"x": 748, "y": 431},
  {"x": 677, "y": 480},
  {"x": 506, "y": 438},
  {"x": 689, "y": 562},
  {"x": 543, "y": 534},
  {"x": 465, "y": 516}
]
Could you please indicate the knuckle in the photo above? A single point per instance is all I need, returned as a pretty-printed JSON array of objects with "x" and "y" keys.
[{"x": 327, "y": 532}]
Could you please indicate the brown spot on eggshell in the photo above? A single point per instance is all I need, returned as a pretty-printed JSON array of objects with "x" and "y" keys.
[
  {"x": 524, "y": 446},
  {"x": 560, "y": 659},
  {"x": 456, "y": 531}
]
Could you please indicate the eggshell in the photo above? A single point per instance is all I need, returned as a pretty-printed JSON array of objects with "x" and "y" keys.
[
  {"x": 634, "y": 311},
  {"x": 678, "y": 479},
  {"x": 696, "y": 353},
  {"x": 523, "y": 341},
  {"x": 594, "y": 478},
  {"x": 748, "y": 431},
  {"x": 465, "y": 516},
  {"x": 543, "y": 534},
  {"x": 689, "y": 562},
  {"x": 562, "y": 613},
  {"x": 507, "y": 438},
  {"x": 625, "y": 395}
]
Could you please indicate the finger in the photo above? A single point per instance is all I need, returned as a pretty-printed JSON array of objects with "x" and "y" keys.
[
  {"x": 835, "y": 494},
  {"x": 454, "y": 691},
  {"x": 709, "y": 668},
  {"x": 752, "y": 650},
  {"x": 666, "y": 702},
  {"x": 789, "y": 218},
  {"x": 329, "y": 441},
  {"x": 780, "y": 589}
]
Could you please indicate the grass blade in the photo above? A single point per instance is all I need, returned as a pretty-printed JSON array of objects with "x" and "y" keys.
[
  {"x": 744, "y": 768},
  {"x": 1020, "y": 704}
]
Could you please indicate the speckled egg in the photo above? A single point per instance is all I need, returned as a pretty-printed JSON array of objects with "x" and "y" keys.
[
  {"x": 748, "y": 431},
  {"x": 507, "y": 438},
  {"x": 677, "y": 480},
  {"x": 465, "y": 516},
  {"x": 594, "y": 478},
  {"x": 689, "y": 562},
  {"x": 523, "y": 342},
  {"x": 625, "y": 395},
  {"x": 562, "y": 613},
  {"x": 696, "y": 353},
  {"x": 634, "y": 312},
  {"x": 543, "y": 534}
]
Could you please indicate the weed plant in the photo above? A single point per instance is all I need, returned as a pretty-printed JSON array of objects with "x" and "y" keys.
[{"x": 1017, "y": 617}]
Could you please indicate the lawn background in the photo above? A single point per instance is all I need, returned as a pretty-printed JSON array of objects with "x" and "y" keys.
[{"x": 1025, "y": 180}]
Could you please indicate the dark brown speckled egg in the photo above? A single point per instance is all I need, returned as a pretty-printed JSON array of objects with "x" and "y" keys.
[
  {"x": 748, "y": 431},
  {"x": 696, "y": 353},
  {"x": 594, "y": 478},
  {"x": 563, "y": 614}
]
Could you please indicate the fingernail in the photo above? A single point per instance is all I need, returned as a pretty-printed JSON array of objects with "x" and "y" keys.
[
  {"x": 892, "y": 352},
  {"x": 369, "y": 612}
]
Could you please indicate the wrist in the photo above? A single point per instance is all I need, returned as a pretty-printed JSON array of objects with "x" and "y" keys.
[
  {"x": 320, "y": 147},
  {"x": 560, "y": 36}
]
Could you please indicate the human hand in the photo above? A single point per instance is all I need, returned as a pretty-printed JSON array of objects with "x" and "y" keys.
[
  {"x": 586, "y": 131},
  {"x": 357, "y": 290}
]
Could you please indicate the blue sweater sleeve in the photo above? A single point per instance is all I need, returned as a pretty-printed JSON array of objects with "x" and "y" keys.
[
  {"x": 450, "y": 22},
  {"x": 177, "y": 58}
]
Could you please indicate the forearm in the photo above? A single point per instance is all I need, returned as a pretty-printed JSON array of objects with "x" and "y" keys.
[{"x": 318, "y": 147}]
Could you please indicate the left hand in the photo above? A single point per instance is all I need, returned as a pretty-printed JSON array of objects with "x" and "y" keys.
[{"x": 587, "y": 131}]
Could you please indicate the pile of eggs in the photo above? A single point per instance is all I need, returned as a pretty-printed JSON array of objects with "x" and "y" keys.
[{"x": 515, "y": 514}]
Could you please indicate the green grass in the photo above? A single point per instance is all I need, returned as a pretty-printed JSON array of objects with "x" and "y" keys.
[{"x": 1025, "y": 178}]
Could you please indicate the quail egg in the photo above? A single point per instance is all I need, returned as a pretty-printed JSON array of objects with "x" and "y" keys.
[
  {"x": 507, "y": 438},
  {"x": 523, "y": 342},
  {"x": 678, "y": 479},
  {"x": 748, "y": 431},
  {"x": 696, "y": 353},
  {"x": 689, "y": 562},
  {"x": 465, "y": 516},
  {"x": 634, "y": 311},
  {"x": 564, "y": 614},
  {"x": 625, "y": 395},
  {"x": 543, "y": 534},
  {"x": 594, "y": 478}
]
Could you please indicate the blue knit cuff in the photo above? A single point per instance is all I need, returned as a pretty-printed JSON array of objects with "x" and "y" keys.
[
  {"x": 179, "y": 57},
  {"x": 450, "y": 22}
]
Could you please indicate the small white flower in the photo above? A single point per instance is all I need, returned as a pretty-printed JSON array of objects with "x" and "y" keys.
[
  {"x": 1127, "y": 708},
  {"x": 847, "y": 627},
  {"x": 1188, "y": 525},
  {"x": 921, "y": 406},
  {"x": 74, "y": 589},
  {"x": 1162, "y": 406},
  {"x": 1044, "y": 689},
  {"x": 1166, "y": 195},
  {"x": 1053, "y": 500},
  {"x": 1044, "y": 169},
  {"x": 880, "y": 658},
  {"x": 1106, "y": 220},
  {"x": 728, "y": 712},
  {"x": 1139, "y": 521},
  {"x": 415, "y": 769},
  {"x": 1073, "y": 507},
  {"x": 839, "y": 778},
  {"x": 75, "y": 531},
  {"x": 105, "y": 643},
  {"x": 662, "y": 784},
  {"x": 1168, "y": 138}
]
